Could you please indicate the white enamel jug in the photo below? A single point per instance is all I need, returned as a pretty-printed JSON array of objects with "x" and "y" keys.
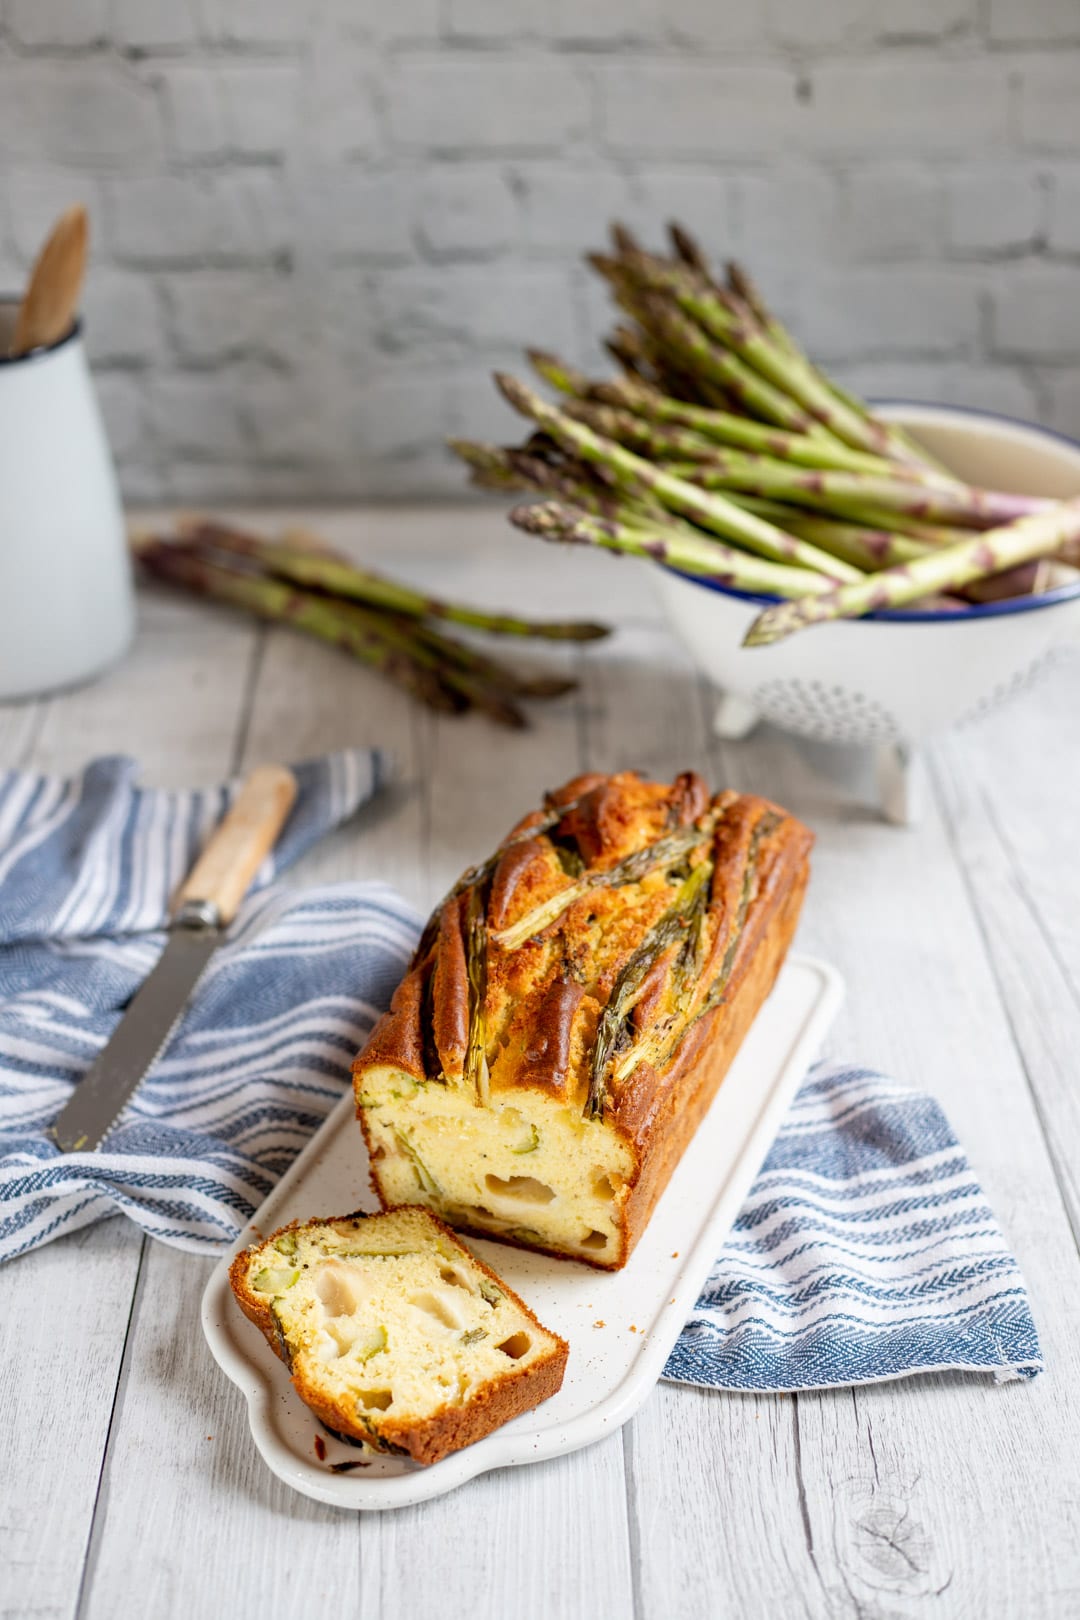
[{"x": 66, "y": 601}]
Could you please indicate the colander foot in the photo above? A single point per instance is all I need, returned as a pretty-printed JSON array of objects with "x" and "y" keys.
[
  {"x": 734, "y": 718},
  {"x": 901, "y": 783}
]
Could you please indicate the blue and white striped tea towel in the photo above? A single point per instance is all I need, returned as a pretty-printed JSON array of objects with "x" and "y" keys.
[
  {"x": 87, "y": 867},
  {"x": 865, "y": 1250}
]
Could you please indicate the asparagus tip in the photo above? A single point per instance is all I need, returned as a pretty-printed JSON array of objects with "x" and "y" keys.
[
  {"x": 515, "y": 392},
  {"x": 531, "y": 516},
  {"x": 545, "y": 686},
  {"x": 470, "y": 450},
  {"x": 770, "y": 626},
  {"x": 623, "y": 237},
  {"x": 687, "y": 248},
  {"x": 604, "y": 265}
]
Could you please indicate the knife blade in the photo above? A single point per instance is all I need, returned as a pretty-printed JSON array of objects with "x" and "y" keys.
[{"x": 205, "y": 905}]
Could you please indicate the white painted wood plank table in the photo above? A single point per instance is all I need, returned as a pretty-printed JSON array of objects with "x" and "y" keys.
[{"x": 128, "y": 1481}]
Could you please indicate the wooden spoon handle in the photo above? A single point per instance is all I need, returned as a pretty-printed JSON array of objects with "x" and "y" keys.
[
  {"x": 237, "y": 847},
  {"x": 52, "y": 296}
]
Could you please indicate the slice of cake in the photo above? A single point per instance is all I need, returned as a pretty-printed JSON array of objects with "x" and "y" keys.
[
  {"x": 394, "y": 1333},
  {"x": 573, "y": 1006}
]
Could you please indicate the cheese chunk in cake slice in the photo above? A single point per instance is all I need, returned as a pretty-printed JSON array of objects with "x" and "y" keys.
[{"x": 394, "y": 1333}]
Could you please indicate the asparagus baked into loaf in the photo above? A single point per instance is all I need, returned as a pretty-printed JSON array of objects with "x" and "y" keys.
[
  {"x": 394, "y": 1333},
  {"x": 572, "y": 1007}
]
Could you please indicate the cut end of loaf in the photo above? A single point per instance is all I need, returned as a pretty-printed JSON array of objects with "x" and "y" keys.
[{"x": 526, "y": 1169}]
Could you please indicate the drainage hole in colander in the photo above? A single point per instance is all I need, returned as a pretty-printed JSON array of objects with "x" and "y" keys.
[{"x": 832, "y": 713}]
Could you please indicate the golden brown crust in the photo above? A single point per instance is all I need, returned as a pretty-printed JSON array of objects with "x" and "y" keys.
[
  {"x": 521, "y": 869},
  {"x": 689, "y": 798},
  {"x": 543, "y": 1061},
  {"x": 254, "y": 1307},
  {"x": 610, "y": 819},
  {"x": 676, "y": 1107},
  {"x": 397, "y": 1037},
  {"x": 452, "y": 1426},
  {"x": 450, "y": 989},
  {"x": 549, "y": 984}
]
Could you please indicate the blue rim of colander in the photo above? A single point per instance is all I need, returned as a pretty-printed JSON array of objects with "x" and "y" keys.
[
  {"x": 965, "y": 615},
  {"x": 976, "y": 610}
]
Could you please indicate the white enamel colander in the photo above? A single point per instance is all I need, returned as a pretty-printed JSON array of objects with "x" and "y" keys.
[{"x": 893, "y": 679}]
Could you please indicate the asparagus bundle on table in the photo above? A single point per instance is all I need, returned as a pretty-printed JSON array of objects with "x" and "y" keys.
[
  {"x": 721, "y": 450},
  {"x": 393, "y": 628}
]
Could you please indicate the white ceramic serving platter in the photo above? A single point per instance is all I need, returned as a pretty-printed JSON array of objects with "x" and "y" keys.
[{"x": 621, "y": 1326}]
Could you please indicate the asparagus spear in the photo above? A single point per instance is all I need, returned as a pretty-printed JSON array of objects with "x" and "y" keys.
[
  {"x": 626, "y": 346},
  {"x": 738, "y": 432},
  {"x": 875, "y": 548},
  {"x": 316, "y": 571},
  {"x": 689, "y": 250},
  {"x": 1041, "y": 535},
  {"x": 847, "y": 416},
  {"x": 710, "y": 511},
  {"x": 931, "y": 536},
  {"x": 746, "y": 289},
  {"x": 901, "y": 446},
  {"x": 569, "y": 480},
  {"x": 672, "y": 928},
  {"x": 694, "y": 348},
  {"x": 679, "y": 548},
  {"x": 271, "y": 599},
  {"x": 497, "y": 677},
  {"x": 560, "y": 374},
  {"x": 430, "y": 650},
  {"x": 708, "y": 426},
  {"x": 639, "y": 357},
  {"x": 865, "y": 547},
  {"x": 490, "y": 464},
  {"x": 475, "y": 1068},
  {"x": 656, "y": 857},
  {"x": 647, "y": 1045},
  {"x": 656, "y": 441},
  {"x": 446, "y": 674},
  {"x": 780, "y": 365},
  {"x": 842, "y": 492}
]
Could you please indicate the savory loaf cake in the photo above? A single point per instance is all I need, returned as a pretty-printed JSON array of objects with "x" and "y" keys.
[
  {"x": 572, "y": 1007},
  {"x": 394, "y": 1333}
]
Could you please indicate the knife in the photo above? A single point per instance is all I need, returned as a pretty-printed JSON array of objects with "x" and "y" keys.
[{"x": 204, "y": 907}]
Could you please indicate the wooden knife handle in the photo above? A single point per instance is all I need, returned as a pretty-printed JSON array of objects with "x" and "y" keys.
[{"x": 240, "y": 843}]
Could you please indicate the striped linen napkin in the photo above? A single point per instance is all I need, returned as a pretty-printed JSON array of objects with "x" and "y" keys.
[
  {"x": 87, "y": 867},
  {"x": 865, "y": 1251}
]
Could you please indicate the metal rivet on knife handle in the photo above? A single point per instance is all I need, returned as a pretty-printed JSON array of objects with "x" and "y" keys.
[{"x": 239, "y": 845}]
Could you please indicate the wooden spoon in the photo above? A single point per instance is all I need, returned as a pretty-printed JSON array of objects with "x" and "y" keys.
[{"x": 48, "y": 308}]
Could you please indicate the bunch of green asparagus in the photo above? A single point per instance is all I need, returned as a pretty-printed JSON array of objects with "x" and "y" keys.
[
  {"x": 721, "y": 450},
  {"x": 299, "y": 581}
]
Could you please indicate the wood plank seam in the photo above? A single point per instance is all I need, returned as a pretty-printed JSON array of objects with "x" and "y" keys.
[
  {"x": 633, "y": 1522},
  {"x": 1072, "y": 1217},
  {"x": 247, "y": 702},
  {"x": 100, "y": 1507},
  {"x": 1028, "y": 900},
  {"x": 800, "y": 1486},
  {"x": 99, "y": 1513}
]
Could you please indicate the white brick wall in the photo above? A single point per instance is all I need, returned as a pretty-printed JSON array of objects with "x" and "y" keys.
[{"x": 317, "y": 228}]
